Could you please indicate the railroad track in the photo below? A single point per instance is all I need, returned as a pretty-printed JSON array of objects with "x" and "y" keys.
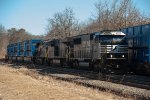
[
  {"x": 127, "y": 85},
  {"x": 130, "y": 80}
]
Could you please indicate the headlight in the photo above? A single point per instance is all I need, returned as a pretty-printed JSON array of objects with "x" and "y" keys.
[
  {"x": 111, "y": 56},
  {"x": 122, "y": 56}
]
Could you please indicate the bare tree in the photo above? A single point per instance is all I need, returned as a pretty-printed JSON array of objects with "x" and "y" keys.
[
  {"x": 2, "y": 29},
  {"x": 3, "y": 41},
  {"x": 116, "y": 15},
  {"x": 18, "y": 35},
  {"x": 62, "y": 25}
]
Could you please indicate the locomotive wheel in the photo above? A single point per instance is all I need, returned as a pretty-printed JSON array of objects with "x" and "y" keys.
[
  {"x": 33, "y": 60},
  {"x": 91, "y": 65},
  {"x": 50, "y": 62},
  {"x": 22, "y": 59},
  {"x": 61, "y": 63},
  {"x": 97, "y": 66},
  {"x": 42, "y": 62},
  {"x": 16, "y": 59},
  {"x": 76, "y": 64},
  {"x": 70, "y": 64}
]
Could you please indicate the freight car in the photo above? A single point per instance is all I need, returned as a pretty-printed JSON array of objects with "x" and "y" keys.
[
  {"x": 22, "y": 51},
  {"x": 138, "y": 38}
]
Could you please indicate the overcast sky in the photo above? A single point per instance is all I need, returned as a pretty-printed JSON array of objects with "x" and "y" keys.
[{"x": 32, "y": 15}]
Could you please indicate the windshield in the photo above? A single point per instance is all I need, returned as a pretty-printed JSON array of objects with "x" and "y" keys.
[{"x": 110, "y": 39}]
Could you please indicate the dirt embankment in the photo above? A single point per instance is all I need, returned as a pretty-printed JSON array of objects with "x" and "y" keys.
[{"x": 21, "y": 84}]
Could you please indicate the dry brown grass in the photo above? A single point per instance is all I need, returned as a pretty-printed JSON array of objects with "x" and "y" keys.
[{"x": 23, "y": 84}]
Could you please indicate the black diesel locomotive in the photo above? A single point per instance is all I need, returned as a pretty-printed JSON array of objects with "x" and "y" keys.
[{"x": 106, "y": 51}]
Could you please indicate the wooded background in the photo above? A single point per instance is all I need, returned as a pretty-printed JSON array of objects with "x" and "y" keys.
[{"x": 106, "y": 16}]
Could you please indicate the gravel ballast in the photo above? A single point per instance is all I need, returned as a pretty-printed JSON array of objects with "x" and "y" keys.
[{"x": 119, "y": 89}]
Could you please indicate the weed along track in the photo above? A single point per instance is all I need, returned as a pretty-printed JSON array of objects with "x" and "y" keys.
[
  {"x": 20, "y": 83},
  {"x": 140, "y": 88},
  {"x": 123, "y": 85}
]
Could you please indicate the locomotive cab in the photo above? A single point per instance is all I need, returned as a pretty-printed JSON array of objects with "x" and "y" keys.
[{"x": 111, "y": 48}]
